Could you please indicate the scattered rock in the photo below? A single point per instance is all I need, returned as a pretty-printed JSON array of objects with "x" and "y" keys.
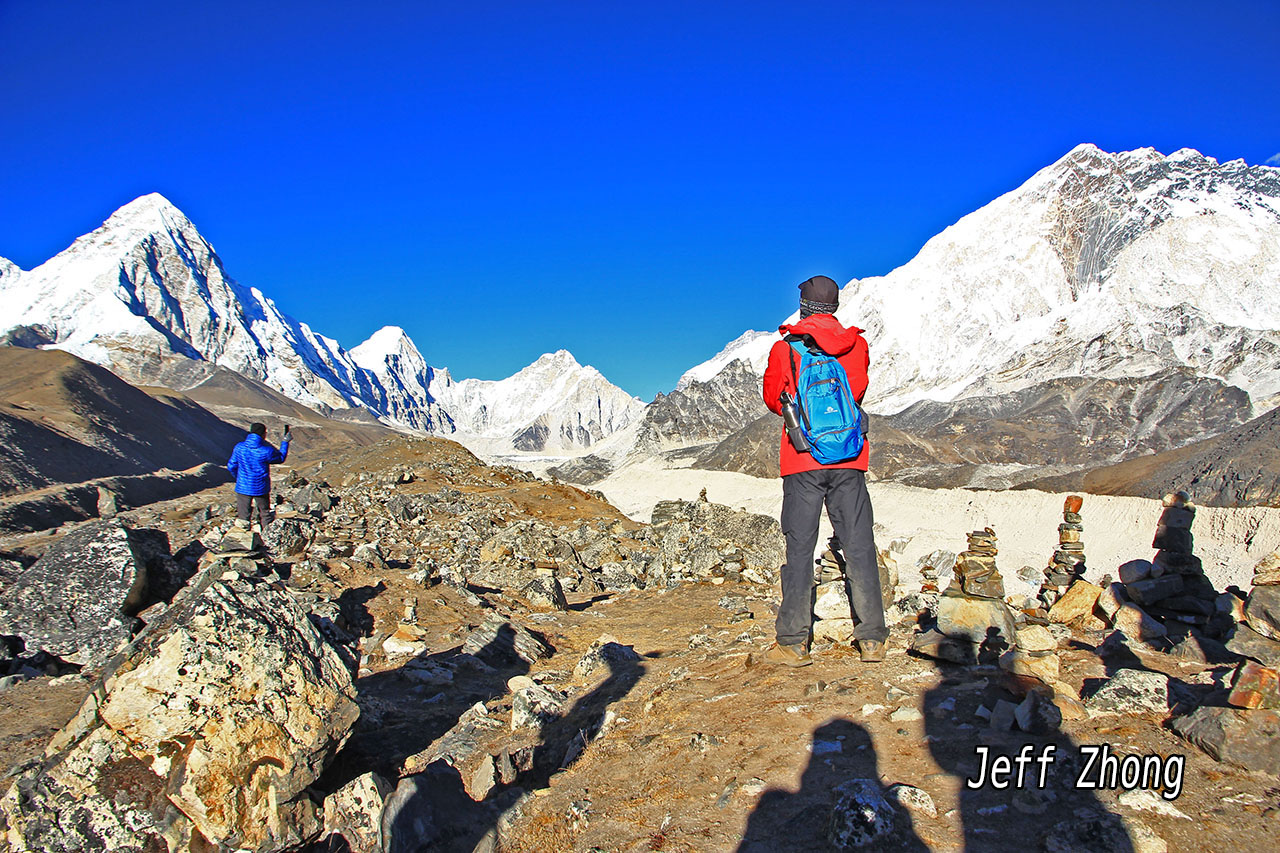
[
  {"x": 1102, "y": 833},
  {"x": 1248, "y": 739},
  {"x": 1132, "y": 691},
  {"x": 77, "y": 601},
  {"x": 606, "y": 654},
  {"x": 861, "y": 816},
  {"x": 1134, "y": 622},
  {"x": 1076, "y": 603},
  {"x": 1255, "y": 686},
  {"x": 911, "y": 799},
  {"x": 354, "y": 812}
]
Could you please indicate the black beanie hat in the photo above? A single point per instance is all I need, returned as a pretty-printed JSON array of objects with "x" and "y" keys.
[
  {"x": 819, "y": 295},
  {"x": 259, "y": 430}
]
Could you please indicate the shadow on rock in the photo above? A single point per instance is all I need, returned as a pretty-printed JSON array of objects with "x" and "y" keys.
[
  {"x": 433, "y": 810},
  {"x": 841, "y": 804},
  {"x": 1018, "y": 788}
]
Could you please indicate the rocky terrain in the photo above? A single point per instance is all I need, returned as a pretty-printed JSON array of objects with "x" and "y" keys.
[
  {"x": 425, "y": 652},
  {"x": 1240, "y": 467},
  {"x": 1064, "y": 425}
]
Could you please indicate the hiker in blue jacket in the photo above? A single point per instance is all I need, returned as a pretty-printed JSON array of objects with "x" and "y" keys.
[{"x": 250, "y": 464}]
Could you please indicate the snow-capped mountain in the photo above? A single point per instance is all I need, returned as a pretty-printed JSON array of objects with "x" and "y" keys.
[
  {"x": 1107, "y": 265},
  {"x": 554, "y": 405},
  {"x": 146, "y": 289},
  {"x": 146, "y": 296},
  {"x": 404, "y": 380}
]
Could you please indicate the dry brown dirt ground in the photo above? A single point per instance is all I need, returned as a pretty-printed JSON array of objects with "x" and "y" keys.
[{"x": 710, "y": 749}]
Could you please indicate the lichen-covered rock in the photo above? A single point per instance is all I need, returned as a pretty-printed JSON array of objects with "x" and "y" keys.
[
  {"x": 77, "y": 601},
  {"x": 1262, "y": 610},
  {"x": 1132, "y": 691},
  {"x": 861, "y": 816},
  {"x": 354, "y": 812},
  {"x": 211, "y": 726},
  {"x": 698, "y": 540}
]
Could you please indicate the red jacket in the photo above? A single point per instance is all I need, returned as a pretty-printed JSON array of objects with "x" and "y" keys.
[{"x": 849, "y": 348}]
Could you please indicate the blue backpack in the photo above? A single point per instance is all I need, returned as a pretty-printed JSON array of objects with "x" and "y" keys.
[{"x": 830, "y": 418}]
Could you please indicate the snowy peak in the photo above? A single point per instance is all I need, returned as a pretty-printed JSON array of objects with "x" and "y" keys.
[
  {"x": 387, "y": 342},
  {"x": 1101, "y": 264},
  {"x": 553, "y": 405},
  {"x": 752, "y": 347}
]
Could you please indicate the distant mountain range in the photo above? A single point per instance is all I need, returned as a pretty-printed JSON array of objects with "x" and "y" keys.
[
  {"x": 1114, "y": 306},
  {"x": 146, "y": 296}
]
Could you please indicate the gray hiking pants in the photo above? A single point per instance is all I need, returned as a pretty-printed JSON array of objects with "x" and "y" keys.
[
  {"x": 844, "y": 491},
  {"x": 245, "y": 504}
]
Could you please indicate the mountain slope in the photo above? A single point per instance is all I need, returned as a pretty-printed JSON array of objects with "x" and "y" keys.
[
  {"x": 146, "y": 296},
  {"x": 64, "y": 420},
  {"x": 1112, "y": 265},
  {"x": 1240, "y": 467}
]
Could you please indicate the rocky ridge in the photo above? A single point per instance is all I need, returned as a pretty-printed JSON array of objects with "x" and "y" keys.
[{"x": 534, "y": 669}]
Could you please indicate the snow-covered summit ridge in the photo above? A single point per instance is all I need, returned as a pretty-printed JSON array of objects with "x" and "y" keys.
[
  {"x": 1102, "y": 264},
  {"x": 146, "y": 295}
]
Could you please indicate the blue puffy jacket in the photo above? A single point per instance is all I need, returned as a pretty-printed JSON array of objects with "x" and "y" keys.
[{"x": 249, "y": 461}]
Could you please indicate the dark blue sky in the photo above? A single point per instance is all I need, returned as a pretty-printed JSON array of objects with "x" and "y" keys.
[{"x": 635, "y": 182}]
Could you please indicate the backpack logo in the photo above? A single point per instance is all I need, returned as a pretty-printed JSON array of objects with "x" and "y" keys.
[{"x": 830, "y": 418}]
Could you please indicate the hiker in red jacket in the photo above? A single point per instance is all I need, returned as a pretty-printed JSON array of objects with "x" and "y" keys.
[{"x": 807, "y": 484}]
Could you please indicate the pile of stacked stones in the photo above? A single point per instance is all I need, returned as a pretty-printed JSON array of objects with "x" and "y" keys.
[
  {"x": 831, "y": 609},
  {"x": 1246, "y": 732},
  {"x": 1172, "y": 588},
  {"x": 1068, "y": 562},
  {"x": 974, "y": 625}
]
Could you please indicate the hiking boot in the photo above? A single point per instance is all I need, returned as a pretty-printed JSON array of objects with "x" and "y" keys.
[
  {"x": 787, "y": 655},
  {"x": 242, "y": 523},
  {"x": 872, "y": 651}
]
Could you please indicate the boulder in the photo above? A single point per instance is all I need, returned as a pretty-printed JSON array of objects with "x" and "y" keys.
[
  {"x": 533, "y": 707},
  {"x": 1132, "y": 691},
  {"x": 1046, "y": 667},
  {"x": 1153, "y": 590},
  {"x": 1134, "y": 622},
  {"x": 939, "y": 646},
  {"x": 1076, "y": 603},
  {"x": 833, "y": 630},
  {"x": 1102, "y": 832},
  {"x": 1255, "y": 686},
  {"x": 605, "y": 655},
  {"x": 831, "y": 601},
  {"x": 354, "y": 813},
  {"x": 287, "y": 536},
  {"x": 1267, "y": 571},
  {"x": 545, "y": 593},
  {"x": 1249, "y": 643},
  {"x": 206, "y": 731},
  {"x": 1262, "y": 610},
  {"x": 79, "y": 599},
  {"x": 1248, "y": 739},
  {"x": 499, "y": 641},
  {"x": 861, "y": 818},
  {"x": 981, "y": 620}
]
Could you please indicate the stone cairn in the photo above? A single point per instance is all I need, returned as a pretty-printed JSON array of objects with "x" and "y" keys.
[
  {"x": 1172, "y": 587},
  {"x": 975, "y": 569},
  {"x": 1068, "y": 562}
]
